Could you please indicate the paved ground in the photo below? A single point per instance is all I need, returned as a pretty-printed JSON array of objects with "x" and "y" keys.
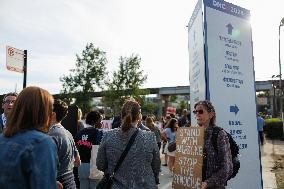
[
  {"x": 267, "y": 150},
  {"x": 165, "y": 176}
]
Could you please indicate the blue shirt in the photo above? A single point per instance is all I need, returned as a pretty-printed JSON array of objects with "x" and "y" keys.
[
  {"x": 143, "y": 127},
  {"x": 170, "y": 135},
  {"x": 28, "y": 161},
  {"x": 260, "y": 123}
]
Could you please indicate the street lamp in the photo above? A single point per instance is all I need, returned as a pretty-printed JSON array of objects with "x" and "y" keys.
[{"x": 280, "y": 76}]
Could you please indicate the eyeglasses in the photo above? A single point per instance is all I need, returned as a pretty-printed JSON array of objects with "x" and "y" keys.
[
  {"x": 198, "y": 111},
  {"x": 9, "y": 101}
]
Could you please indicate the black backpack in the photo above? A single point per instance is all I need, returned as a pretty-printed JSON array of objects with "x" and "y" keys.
[{"x": 234, "y": 150}]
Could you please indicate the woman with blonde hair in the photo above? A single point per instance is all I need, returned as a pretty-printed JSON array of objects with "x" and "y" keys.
[
  {"x": 152, "y": 126},
  {"x": 141, "y": 166},
  {"x": 28, "y": 155}
]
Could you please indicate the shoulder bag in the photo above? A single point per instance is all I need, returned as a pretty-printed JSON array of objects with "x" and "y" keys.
[{"x": 107, "y": 180}]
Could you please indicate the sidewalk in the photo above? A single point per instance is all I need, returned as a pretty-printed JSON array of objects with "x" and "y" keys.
[{"x": 267, "y": 150}]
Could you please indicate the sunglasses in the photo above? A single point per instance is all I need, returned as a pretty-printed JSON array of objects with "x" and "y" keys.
[
  {"x": 9, "y": 101},
  {"x": 198, "y": 111}
]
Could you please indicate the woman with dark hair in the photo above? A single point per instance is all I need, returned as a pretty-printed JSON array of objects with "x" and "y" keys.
[
  {"x": 28, "y": 155},
  {"x": 170, "y": 134},
  {"x": 141, "y": 166},
  {"x": 217, "y": 166}
]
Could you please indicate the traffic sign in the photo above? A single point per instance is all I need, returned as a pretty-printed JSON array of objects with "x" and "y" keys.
[{"x": 15, "y": 59}]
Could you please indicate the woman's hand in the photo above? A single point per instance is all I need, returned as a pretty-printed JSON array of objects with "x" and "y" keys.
[
  {"x": 204, "y": 185},
  {"x": 59, "y": 185},
  {"x": 77, "y": 161}
]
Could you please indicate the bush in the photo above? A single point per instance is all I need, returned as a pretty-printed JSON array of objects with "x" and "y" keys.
[{"x": 273, "y": 128}]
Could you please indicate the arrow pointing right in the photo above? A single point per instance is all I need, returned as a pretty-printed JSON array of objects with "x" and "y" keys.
[{"x": 234, "y": 109}]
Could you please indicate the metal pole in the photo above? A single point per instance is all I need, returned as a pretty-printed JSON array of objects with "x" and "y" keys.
[
  {"x": 25, "y": 69},
  {"x": 274, "y": 104},
  {"x": 280, "y": 78}
]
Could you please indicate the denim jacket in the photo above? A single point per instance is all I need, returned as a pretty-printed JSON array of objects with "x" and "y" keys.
[{"x": 28, "y": 161}]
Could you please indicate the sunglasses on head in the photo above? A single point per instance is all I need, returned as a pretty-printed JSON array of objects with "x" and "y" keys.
[{"x": 198, "y": 111}]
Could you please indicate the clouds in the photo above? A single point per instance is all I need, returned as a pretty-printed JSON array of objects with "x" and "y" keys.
[{"x": 55, "y": 31}]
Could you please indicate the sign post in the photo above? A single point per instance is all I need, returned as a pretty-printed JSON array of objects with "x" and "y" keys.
[
  {"x": 25, "y": 69},
  {"x": 16, "y": 60}
]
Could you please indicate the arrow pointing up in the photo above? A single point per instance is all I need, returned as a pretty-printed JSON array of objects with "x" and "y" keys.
[
  {"x": 230, "y": 28},
  {"x": 234, "y": 109}
]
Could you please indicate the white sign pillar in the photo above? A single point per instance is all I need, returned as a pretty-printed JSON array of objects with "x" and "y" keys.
[
  {"x": 196, "y": 58},
  {"x": 229, "y": 81}
]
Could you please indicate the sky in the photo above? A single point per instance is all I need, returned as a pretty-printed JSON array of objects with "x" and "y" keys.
[{"x": 54, "y": 31}]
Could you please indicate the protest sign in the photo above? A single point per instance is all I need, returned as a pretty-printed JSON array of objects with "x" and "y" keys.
[{"x": 189, "y": 158}]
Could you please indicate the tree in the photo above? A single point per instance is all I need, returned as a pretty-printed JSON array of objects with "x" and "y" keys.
[
  {"x": 149, "y": 108},
  {"x": 173, "y": 98},
  {"x": 125, "y": 82},
  {"x": 182, "y": 106},
  {"x": 88, "y": 75}
]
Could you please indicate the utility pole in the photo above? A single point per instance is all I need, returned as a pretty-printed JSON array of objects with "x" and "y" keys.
[
  {"x": 25, "y": 69},
  {"x": 280, "y": 76}
]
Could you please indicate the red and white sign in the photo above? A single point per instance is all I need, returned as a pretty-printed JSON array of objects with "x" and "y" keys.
[
  {"x": 14, "y": 59},
  {"x": 171, "y": 110}
]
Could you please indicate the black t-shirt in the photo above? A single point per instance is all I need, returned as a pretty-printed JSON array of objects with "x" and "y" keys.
[{"x": 84, "y": 141}]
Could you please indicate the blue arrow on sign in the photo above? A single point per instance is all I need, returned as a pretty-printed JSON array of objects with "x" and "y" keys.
[
  {"x": 230, "y": 28},
  {"x": 234, "y": 109}
]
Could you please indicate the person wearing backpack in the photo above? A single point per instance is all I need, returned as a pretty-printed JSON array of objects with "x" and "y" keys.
[{"x": 217, "y": 163}]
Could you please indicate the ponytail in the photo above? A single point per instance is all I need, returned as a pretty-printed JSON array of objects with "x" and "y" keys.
[
  {"x": 126, "y": 122},
  {"x": 130, "y": 113}
]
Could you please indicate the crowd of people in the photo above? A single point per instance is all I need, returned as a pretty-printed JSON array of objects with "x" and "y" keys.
[{"x": 46, "y": 155}]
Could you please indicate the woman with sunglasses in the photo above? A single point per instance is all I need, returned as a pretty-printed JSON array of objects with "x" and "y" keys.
[{"x": 217, "y": 165}]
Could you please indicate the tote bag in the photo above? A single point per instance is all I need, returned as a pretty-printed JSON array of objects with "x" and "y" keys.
[{"x": 94, "y": 172}]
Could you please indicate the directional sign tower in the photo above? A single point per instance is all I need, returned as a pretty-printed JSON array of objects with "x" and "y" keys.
[{"x": 222, "y": 71}]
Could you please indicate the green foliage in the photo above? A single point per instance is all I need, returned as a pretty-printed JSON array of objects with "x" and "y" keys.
[
  {"x": 88, "y": 75},
  {"x": 173, "y": 98},
  {"x": 273, "y": 128},
  {"x": 149, "y": 108},
  {"x": 182, "y": 106},
  {"x": 125, "y": 82}
]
